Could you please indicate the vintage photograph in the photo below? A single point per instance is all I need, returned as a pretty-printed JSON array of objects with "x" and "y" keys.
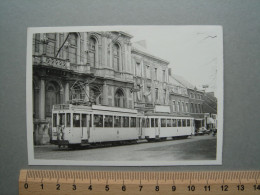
[{"x": 125, "y": 95}]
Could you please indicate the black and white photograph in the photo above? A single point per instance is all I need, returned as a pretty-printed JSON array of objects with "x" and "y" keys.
[{"x": 125, "y": 95}]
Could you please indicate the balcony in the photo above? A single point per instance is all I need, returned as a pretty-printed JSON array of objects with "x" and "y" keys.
[{"x": 49, "y": 61}]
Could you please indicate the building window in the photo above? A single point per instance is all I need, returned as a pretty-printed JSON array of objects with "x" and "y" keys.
[
  {"x": 156, "y": 94},
  {"x": 187, "y": 107},
  {"x": 119, "y": 98},
  {"x": 182, "y": 107},
  {"x": 173, "y": 106},
  {"x": 164, "y": 96},
  {"x": 116, "y": 57},
  {"x": 148, "y": 72},
  {"x": 191, "y": 108},
  {"x": 163, "y": 76},
  {"x": 198, "y": 108},
  {"x": 50, "y": 50},
  {"x": 138, "y": 69},
  {"x": 155, "y": 74},
  {"x": 92, "y": 52},
  {"x": 72, "y": 53},
  {"x": 178, "y": 106}
]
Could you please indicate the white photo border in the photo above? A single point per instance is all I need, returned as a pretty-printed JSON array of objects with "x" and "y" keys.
[{"x": 29, "y": 99}]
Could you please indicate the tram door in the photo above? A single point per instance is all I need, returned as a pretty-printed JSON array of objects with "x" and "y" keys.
[
  {"x": 61, "y": 126},
  {"x": 157, "y": 127},
  {"x": 139, "y": 127},
  {"x": 76, "y": 133}
]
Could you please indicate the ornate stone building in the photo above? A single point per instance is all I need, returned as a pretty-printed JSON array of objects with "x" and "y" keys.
[{"x": 92, "y": 67}]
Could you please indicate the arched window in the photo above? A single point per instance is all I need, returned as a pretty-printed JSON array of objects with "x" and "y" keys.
[
  {"x": 116, "y": 57},
  {"x": 73, "y": 46},
  {"x": 52, "y": 96},
  {"x": 92, "y": 52},
  {"x": 50, "y": 50},
  {"x": 119, "y": 98}
]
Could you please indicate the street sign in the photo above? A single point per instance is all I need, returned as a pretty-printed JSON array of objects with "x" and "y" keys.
[{"x": 105, "y": 182}]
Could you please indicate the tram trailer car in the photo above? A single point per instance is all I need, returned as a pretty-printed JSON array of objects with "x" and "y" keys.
[
  {"x": 74, "y": 125},
  {"x": 163, "y": 127}
]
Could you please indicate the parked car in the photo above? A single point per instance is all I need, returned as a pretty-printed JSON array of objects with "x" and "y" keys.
[{"x": 202, "y": 131}]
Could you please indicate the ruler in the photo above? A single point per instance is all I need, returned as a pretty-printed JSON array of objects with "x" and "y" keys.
[{"x": 105, "y": 182}]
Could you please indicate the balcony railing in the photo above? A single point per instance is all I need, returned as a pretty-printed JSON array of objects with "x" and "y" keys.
[{"x": 60, "y": 63}]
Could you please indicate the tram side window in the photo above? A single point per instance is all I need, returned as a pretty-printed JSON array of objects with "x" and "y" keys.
[
  {"x": 147, "y": 122},
  {"x": 132, "y": 122},
  {"x": 184, "y": 122},
  {"x": 174, "y": 123},
  {"x": 68, "y": 119},
  {"x": 163, "y": 122},
  {"x": 156, "y": 123},
  {"x": 54, "y": 120},
  {"x": 90, "y": 120},
  {"x": 108, "y": 121},
  {"x": 188, "y": 122},
  {"x": 117, "y": 121},
  {"x": 179, "y": 122},
  {"x": 84, "y": 120},
  {"x": 143, "y": 122},
  {"x": 169, "y": 124},
  {"x": 62, "y": 119},
  {"x": 76, "y": 120},
  {"x": 98, "y": 120},
  {"x": 125, "y": 121},
  {"x": 152, "y": 122}
]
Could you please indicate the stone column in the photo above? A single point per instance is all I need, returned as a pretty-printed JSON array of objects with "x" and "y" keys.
[
  {"x": 129, "y": 64},
  {"x": 78, "y": 49},
  {"x": 42, "y": 100},
  {"x": 85, "y": 48},
  {"x": 104, "y": 52},
  {"x": 126, "y": 68},
  {"x": 67, "y": 93},
  {"x": 111, "y": 54},
  {"x": 105, "y": 94}
]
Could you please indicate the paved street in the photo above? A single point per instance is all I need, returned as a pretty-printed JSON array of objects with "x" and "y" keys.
[{"x": 193, "y": 148}]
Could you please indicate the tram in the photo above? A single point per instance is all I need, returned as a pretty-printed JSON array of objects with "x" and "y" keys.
[
  {"x": 79, "y": 125},
  {"x": 83, "y": 125},
  {"x": 156, "y": 127}
]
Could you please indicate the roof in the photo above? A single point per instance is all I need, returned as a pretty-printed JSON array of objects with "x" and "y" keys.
[
  {"x": 183, "y": 81},
  {"x": 140, "y": 47}
]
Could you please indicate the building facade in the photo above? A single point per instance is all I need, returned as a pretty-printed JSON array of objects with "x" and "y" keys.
[{"x": 104, "y": 68}]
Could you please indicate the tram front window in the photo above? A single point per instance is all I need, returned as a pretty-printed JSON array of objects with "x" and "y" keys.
[{"x": 76, "y": 120}]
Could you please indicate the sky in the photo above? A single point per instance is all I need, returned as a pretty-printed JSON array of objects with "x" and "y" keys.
[{"x": 194, "y": 52}]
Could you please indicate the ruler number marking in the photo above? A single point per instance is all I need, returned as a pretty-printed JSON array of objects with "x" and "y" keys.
[
  {"x": 57, "y": 186},
  {"x": 224, "y": 188},
  {"x": 74, "y": 187},
  {"x": 174, "y": 188},
  {"x": 191, "y": 188},
  {"x": 240, "y": 187},
  {"x": 157, "y": 188},
  {"x": 107, "y": 187},
  {"x": 256, "y": 187},
  {"x": 42, "y": 185},
  {"x": 123, "y": 188},
  {"x": 26, "y": 185},
  {"x": 207, "y": 188},
  {"x": 140, "y": 188},
  {"x": 90, "y": 187}
]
